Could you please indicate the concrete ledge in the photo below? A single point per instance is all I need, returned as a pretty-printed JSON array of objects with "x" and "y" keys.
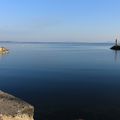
[{"x": 12, "y": 108}]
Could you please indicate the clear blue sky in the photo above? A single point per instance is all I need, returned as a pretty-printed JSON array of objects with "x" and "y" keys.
[{"x": 59, "y": 20}]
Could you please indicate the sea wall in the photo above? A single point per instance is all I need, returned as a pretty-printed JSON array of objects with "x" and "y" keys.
[{"x": 12, "y": 108}]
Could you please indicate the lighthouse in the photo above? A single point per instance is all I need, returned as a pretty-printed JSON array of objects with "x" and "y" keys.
[
  {"x": 116, "y": 42},
  {"x": 116, "y": 46}
]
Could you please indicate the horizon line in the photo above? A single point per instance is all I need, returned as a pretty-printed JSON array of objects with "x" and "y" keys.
[{"x": 51, "y": 42}]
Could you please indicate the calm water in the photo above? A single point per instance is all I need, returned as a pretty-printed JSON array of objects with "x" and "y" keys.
[{"x": 64, "y": 81}]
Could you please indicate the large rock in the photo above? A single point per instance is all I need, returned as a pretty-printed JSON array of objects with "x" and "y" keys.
[
  {"x": 12, "y": 108},
  {"x": 116, "y": 47}
]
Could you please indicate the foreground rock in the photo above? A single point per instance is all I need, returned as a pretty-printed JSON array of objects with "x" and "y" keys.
[{"x": 12, "y": 108}]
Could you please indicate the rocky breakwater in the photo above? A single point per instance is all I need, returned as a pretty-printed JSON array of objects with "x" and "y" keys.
[
  {"x": 116, "y": 46},
  {"x": 12, "y": 108}
]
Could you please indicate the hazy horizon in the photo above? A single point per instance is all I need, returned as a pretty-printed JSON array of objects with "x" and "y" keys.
[
  {"x": 82, "y": 42},
  {"x": 59, "y": 21}
]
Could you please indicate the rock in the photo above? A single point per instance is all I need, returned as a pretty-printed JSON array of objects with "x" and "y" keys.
[
  {"x": 12, "y": 108},
  {"x": 3, "y": 49},
  {"x": 116, "y": 47}
]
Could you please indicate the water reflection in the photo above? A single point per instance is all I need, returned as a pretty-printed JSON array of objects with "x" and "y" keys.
[
  {"x": 4, "y": 53},
  {"x": 116, "y": 58}
]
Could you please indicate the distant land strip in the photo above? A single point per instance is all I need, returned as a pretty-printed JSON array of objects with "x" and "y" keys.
[{"x": 30, "y": 42}]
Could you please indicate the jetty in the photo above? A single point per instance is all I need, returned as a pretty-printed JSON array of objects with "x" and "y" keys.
[
  {"x": 12, "y": 108},
  {"x": 116, "y": 46}
]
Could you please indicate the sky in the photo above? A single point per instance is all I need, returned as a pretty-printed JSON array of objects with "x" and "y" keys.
[{"x": 59, "y": 20}]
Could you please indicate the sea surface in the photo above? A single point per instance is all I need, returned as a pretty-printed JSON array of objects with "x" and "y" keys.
[{"x": 64, "y": 81}]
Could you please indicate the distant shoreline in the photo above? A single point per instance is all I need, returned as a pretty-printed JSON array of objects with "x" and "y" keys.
[{"x": 56, "y": 42}]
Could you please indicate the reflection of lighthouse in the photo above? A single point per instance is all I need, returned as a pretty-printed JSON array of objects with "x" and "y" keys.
[{"x": 117, "y": 56}]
